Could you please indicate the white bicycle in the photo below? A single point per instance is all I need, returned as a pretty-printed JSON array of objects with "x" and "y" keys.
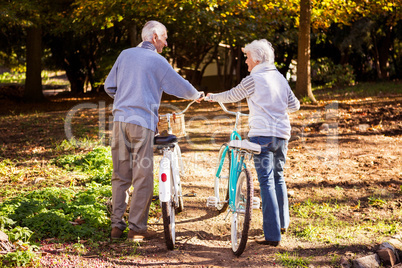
[{"x": 170, "y": 170}]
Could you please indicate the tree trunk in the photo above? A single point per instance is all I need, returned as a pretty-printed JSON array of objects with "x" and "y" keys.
[
  {"x": 303, "y": 82},
  {"x": 133, "y": 34},
  {"x": 33, "y": 82}
]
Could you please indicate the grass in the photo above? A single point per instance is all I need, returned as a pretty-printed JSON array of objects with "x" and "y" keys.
[
  {"x": 79, "y": 211},
  {"x": 48, "y": 78},
  {"x": 360, "y": 90},
  {"x": 335, "y": 223},
  {"x": 292, "y": 260}
]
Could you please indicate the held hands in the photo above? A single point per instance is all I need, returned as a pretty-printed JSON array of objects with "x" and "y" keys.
[{"x": 203, "y": 97}]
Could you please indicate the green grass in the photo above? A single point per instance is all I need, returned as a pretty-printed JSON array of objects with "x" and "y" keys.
[
  {"x": 361, "y": 90},
  {"x": 322, "y": 222},
  {"x": 48, "y": 78},
  {"x": 291, "y": 260},
  {"x": 71, "y": 213}
]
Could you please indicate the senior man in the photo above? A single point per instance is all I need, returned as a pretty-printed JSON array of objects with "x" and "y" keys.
[
  {"x": 136, "y": 83},
  {"x": 269, "y": 99}
]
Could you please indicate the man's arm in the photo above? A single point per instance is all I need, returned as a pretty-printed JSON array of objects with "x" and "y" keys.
[
  {"x": 111, "y": 81},
  {"x": 175, "y": 84}
]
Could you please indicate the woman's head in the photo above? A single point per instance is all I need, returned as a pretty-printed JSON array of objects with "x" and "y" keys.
[{"x": 259, "y": 51}]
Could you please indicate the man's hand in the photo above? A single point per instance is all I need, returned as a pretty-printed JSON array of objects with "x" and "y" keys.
[{"x": 202, "y": 96}]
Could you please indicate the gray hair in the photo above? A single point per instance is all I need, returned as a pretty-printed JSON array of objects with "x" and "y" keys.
[
  {"x": 261, "y": 50},
  {"x": 152, "y": 27}
]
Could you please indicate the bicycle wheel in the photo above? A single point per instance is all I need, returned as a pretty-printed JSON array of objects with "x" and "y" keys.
[
  {"x": 241, "y": 217},
  {"x": 180, "y": 205},
  {"x": 169, "y": 224},
  {"x": 222, "y": 180}
]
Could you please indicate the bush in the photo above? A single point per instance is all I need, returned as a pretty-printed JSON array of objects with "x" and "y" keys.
[
  {"x": 327, "y": 74},
  {"x": 62, "y": 213}
]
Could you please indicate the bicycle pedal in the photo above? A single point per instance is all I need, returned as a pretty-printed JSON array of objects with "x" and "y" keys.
[
  {"x": 256, "y": 203},
  {"x": 212, "y": 201}
]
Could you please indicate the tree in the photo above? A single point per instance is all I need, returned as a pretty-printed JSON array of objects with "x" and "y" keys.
[
  {"x": 303, "y": 83},
  {"x": 33, "y": 82}
]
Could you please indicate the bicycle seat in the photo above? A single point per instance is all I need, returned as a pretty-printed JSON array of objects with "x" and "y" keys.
[
  {"x": 162, "y": 140},
  {"x": 246, "y": 145}
]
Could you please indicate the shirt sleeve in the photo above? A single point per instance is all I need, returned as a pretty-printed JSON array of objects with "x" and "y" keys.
[
  {"x": 110, "y": 84},
  {"x": 239, "y": 92},
  {"x": 293, "y": 102},
  {"x": 175, "y": 84}
]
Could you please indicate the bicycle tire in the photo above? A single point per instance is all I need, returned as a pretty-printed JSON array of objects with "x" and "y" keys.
[
  {"x": 168, "y": 217},
  {"x": 222, "y": 182},
  {"x": 241, "y": 217},
  {"x": 180, "y": 206}
]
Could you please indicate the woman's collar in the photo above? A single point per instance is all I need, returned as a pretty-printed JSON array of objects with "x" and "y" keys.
[{"x": 261, "y": 66}]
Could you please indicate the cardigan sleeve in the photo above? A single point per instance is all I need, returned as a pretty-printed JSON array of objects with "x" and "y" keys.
[{"x": 239, "y": 92}]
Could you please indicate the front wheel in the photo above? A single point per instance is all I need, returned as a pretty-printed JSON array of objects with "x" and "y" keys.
[
  {"x": 168, "y": 215},
  {"x": 241, "y": 217}
]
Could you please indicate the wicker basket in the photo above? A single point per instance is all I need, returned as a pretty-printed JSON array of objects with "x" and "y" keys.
[{"x": 177, "y": 124}]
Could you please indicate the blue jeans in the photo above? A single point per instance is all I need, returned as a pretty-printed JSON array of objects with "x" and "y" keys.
[{"x": 269, "y": 166}]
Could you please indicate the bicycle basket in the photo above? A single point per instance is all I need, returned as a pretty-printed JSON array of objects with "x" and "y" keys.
[{"x": 177, "y": 124}]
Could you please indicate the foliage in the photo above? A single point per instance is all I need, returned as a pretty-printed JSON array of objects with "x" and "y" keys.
[
  {"x": 325, "y": 72},
  {"x": 68, "y": 213},
  {"x": 20, "y": 258},
  {"x": 12, "y": 78},
  {"x": 97, "y": 164}
]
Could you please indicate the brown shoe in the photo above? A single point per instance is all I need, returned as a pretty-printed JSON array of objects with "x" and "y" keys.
[
  {"x": 116, "y": 233},
  {"x": 139, "y": 236},
  {"x": 262, "y": 241}
]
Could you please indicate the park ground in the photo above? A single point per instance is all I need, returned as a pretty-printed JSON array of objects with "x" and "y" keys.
[{"x": 343, "y": 175}]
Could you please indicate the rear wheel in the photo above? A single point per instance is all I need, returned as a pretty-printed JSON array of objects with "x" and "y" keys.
[
  {"x": 168, "y": 215},
  {"x": 222, "y": 180},
  {"x": 241, "y": 217}
]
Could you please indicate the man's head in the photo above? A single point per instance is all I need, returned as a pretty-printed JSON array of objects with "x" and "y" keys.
[
  {"x": 259, "y": 51},
  {"x": 156, "y": 33}
]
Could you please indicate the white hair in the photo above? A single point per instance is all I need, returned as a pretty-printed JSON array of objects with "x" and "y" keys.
[
  {"x": 261, "y": 50},
  {"x": 152, "y": 27}
]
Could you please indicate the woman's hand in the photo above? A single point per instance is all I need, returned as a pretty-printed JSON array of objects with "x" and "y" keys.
[{"x": 207, "y": 98}]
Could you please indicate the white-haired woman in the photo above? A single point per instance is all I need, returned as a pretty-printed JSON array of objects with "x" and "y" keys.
[{"x": 269, "y": 99}]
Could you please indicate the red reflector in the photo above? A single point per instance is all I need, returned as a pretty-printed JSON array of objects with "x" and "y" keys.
[{"x": 163, "y": 177}]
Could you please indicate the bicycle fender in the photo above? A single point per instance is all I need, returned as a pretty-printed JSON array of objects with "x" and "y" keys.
[{"x": 165, "y": 180}]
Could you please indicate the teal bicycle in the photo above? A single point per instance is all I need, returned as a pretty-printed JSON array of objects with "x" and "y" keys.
[{"x": 233, "y": 186}]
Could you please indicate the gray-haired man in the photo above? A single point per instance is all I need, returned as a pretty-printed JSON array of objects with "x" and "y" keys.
[{"x": 136, "y": 82}]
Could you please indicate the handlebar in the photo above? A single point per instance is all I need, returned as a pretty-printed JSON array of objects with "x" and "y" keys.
[
  {"x": 225, "y": 109},
  {"x": 179, "y": 113}
]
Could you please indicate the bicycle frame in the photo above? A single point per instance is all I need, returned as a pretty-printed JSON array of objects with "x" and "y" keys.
[
  {"x": 170, "y": 163},
  {"x": 236, "y": 160}
]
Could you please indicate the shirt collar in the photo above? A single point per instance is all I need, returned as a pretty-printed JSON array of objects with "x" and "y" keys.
[
  {"x": 147, "y": 45},
  {"x": 261, "y": 66}
]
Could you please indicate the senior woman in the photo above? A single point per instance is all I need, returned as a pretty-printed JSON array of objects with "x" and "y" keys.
[{"x": 269, "y": 99}]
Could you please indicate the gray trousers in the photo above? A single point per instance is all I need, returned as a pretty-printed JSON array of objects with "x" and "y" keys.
[{"x": 132, "y": 155}]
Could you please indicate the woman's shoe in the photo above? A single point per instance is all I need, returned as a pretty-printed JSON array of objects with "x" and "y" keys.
[{"x": 262, "y": 241}]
